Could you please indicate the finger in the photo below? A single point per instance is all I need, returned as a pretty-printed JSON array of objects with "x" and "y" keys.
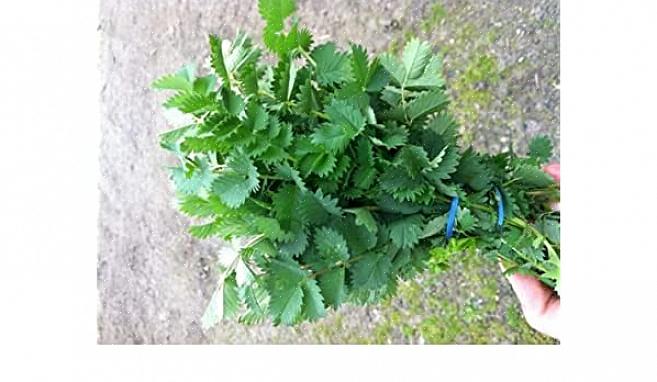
[
  {"x": 555, "y": 206},
  {"x": 539, "y": 304},
  {"x": 554, "y": 170},
  {"x": 532, "y": 293}
]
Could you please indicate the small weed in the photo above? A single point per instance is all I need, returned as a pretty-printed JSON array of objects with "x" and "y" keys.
[{"x": 436, "y": 15}]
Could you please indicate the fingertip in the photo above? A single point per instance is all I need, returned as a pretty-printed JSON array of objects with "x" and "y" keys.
[
  {"x": 521, "y": 280},
  {"x": 531, "y": 292},
  {"x": 554, "y": 170}
]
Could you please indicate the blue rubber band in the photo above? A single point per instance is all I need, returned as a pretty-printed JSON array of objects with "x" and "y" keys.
[
  {"x": 451, "y": 217},
  {"x": 500, "y": 208}
]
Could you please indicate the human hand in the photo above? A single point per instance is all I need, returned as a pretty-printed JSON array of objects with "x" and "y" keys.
[{"x": 540, "y": 304}]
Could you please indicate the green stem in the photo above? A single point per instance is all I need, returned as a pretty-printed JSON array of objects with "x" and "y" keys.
[
  {"x": 261, "y": 203},
  {"x": 540, "y": 192},
  {"x": 307, "y": 57},
  {"x": 320, "y": 114},
  {"x": 248, "y": 266},
  {"x": 254, "y": 241},
  {"x": 515, "y": 221},
  {"x": 522, "y": 255},
  {"x": 266, "y": 94},
  {"x": 273, "y": 177},
  {"x": 507, "y": 183},
  {"x": 343, "y": 264}
]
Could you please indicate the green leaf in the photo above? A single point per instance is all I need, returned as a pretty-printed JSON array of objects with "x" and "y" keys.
[
  {"x": 223, "y": 304},
  {"x": 308, "y": 98},
  {"x": 248, "y": 80},
  {"x": 402, "y": 186},
  {"x": 364, "y": 217},
  {"x": 371, "y": 272},
  {"x": 194, "y": 180},
  {"x": 285, "y": 202},
  {"x": 450, "y": 190},
  {"x": 203, "y": 231},
  {"x": 286, "y": 302},
  {"x": 431, "y": 78},
  {"x": 256, "y": 117},
  {"x": 320, "y": 163},
  {"x": 334, "y": 137},
  {"x": 435, "y": 162},
  {"x": 540, "y": 148},
  {"x": 377, "y": 77},
  {"x": 359, "y": 65},
  {"x": 285, "y": 79},
  {"x": 434, "y": 227},
  {"x": 173, "y": 82},
  {"x": 190, "y": 102},
  {"x": 193, "y": 205},
  {"x": 341, "y": 168},
  {"x": 472, "y": 171},
  {"x": 392, "y": 97},
  {"x": 231, "y": 297},
  {"x": 405, "y": 232},
  {"x": 287, "y": 172},
  {"x": 269, "y": 227},
  {"x": 359, "y": 238},
  {"x": 296, "y": 242},
  {"x": 413, "y": 159},
  {"x": 426, "y": 103},
  {"x": 332, "y": 284},
  {"x": 447, "y": 165},
  {"x": 331, "y": 245},
  {"x": 217, "y": 58},
  {"x": 313, "y": 302},
  {"x": 419, "y": 69},
  {"x": 285, "y": 291},
  {"x": 297, "y": 40},
  {"x": 466, "y": 220},
  {"x": 332, "y": 66},
  {"x": 415, "y": 58},
  {"x": 533, "y": 177},
  {"x": 347, "y": 115},
  {"x": 232, "y": 102},
  {"x": 364, "y": 154},
  {"x": 274, "y": 12},
  {"x": 229, "y": 59},
  {"x": 197, "y": 206},
  {"x": 188, "y": 72},
  {"x": 256, "y": 299},
  {"x": 393, "y": 67},
  {"x": 205, "y": 85},
  {"x": 364, "y": 177},
  {"x": 214, "y": 310},
  {"x": 444, "y": 126},
  {"x": 171, "y": 139},
  {"x": 317, "y": 208},
  {"x": 393, "y": 136},
  {"x": 236, "y": 182},
  {"x": 550, "y": 228}
]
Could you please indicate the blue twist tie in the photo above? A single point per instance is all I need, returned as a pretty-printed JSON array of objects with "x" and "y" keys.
[
  {"x": 500, "y": 208},
  {"x": 451, "y": 218}
]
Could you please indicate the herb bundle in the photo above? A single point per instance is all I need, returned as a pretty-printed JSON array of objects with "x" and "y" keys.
[{"x": 343, "y": 174}]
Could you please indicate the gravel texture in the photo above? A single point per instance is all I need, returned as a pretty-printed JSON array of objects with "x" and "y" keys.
[{"x": 153, "y": 279}]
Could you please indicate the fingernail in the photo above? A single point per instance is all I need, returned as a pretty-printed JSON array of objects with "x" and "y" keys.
[{"x": 555, "y": 206}]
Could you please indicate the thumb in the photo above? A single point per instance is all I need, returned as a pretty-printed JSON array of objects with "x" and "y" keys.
[
  {"x": 539, "y": 304},
  {"x": 554, "y": 170}
]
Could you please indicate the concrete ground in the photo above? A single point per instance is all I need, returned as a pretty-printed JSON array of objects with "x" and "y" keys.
[{"x": 502, "y": 65}]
